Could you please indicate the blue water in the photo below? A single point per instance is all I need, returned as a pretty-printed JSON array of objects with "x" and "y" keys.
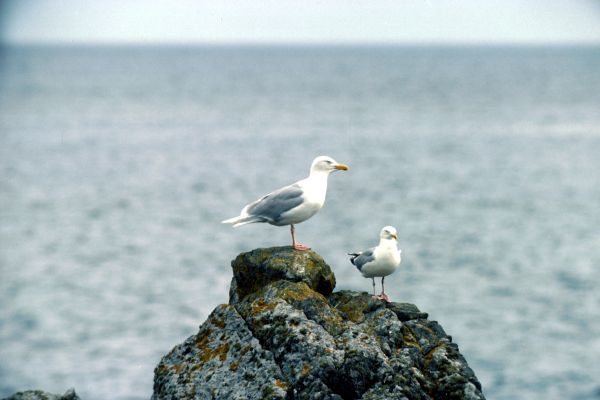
[{"x": 117, "y": 164}]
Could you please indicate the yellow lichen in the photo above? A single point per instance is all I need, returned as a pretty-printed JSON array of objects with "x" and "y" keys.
[
  {"x": 354, "y": 310},
  {"x": 260, "y": 306},
  {"x": 429, "y": 356},
  {"x": 161, "y": 369},
  {"x": 223, "y": 350},
  {"x": 178, "y": 368},
  {"x": 202, "y": 340},
  {"x": 245, "y": 350},
  {"x": 410, "y": 340},
  {"x": 300, "y": 292},
  {"x": 219, "y": 323},
  {"x": 305, "y": 370},
  {"x": 281, "y": 384},
  {"x": 207, "y": 353}
]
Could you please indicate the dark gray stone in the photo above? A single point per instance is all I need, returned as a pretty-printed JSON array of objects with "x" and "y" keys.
[
  {"x": 41, "y": 395},
  {"x": 222, "y": 361},
  {"x": 285, "y": 335},
  {"x": 259, "y": 267},
  {"x": 406, "y": 311}
]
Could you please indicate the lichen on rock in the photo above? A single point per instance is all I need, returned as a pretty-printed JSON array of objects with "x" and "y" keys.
[
  {"x": 285, "y": 335},
  {"x": 222, "y": 360},
  {"x": 259, "y": 267}
]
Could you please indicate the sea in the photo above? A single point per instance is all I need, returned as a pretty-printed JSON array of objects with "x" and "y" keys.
[{"x": 117, "y": 164}]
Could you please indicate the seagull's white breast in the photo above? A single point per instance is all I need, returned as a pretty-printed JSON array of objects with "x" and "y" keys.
[
  {"x": 313, "y": 197},
  {"x": 387, "y": 259}
]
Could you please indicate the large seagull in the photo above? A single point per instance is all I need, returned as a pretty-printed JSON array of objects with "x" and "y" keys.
[{"x": 292, "y": 204}]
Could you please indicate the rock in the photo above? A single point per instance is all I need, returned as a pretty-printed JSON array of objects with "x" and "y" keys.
[
  {"x": 257, "y": 268},
  {"x": 41, "y": 395},
  {"x": 285, "y": 335},
  {"x": 223, "y": 359}
]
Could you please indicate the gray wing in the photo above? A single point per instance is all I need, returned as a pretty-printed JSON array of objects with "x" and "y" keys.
[
  {"x": 361, "y": 259},
  {"x": 273, "y": 205}
]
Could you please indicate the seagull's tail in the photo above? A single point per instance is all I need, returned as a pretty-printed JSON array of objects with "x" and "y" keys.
[
  {"x": 242, "y": 220},
  {"x": 354, "y": 255}
]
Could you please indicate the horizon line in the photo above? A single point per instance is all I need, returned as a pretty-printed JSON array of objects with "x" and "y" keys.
[{"x": 299, "y": 43}]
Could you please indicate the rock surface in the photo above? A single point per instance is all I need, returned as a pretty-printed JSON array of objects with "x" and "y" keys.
[
  {"x": 285, "y": 335},
  {"x": 41, "y": 395}
]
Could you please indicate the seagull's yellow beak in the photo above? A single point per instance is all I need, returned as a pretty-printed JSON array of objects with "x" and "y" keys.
[
  {"x": 395, "y": 237},
  {"x": 342, "y": 167}
]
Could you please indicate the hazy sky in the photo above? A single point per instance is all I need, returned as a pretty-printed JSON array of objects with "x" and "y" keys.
[{"x": 300, "y": 20}]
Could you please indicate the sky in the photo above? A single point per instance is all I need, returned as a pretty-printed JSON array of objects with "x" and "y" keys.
[{"x": 303, "y": 21}]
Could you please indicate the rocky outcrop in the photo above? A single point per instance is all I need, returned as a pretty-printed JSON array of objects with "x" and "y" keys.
[
  {"x": 285, "y": 335},
  {"x": 41, "y": 395}
]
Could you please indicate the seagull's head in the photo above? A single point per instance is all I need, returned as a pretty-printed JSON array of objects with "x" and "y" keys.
[
  {"x": 388, "y": 233},
  {"x": 325, "y": 164}
]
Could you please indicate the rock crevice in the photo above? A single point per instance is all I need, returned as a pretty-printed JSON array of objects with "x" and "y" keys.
[{"x": 286, "y": 335}]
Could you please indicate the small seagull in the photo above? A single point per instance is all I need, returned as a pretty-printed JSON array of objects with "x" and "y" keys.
[
  {"x": 379, "y": 261},
  {"x": 292, "y": 204}
]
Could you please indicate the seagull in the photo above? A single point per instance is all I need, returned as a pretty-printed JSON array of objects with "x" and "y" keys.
[
  {"x": 381, "y": 260},
  {"x": 292, "y": 204}
]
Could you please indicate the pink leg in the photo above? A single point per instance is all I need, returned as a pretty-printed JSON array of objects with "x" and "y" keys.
[
  {"x": 383, "y": 296},
  {"x": 297, "y": 246}
]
